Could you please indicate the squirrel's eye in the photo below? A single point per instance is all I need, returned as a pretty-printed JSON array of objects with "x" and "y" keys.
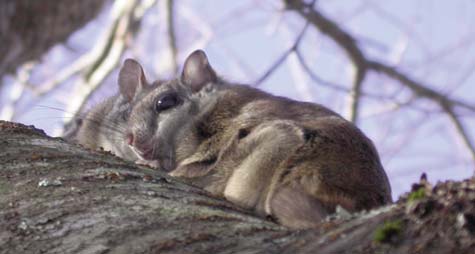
[
  {"x": 125, "y": 114},
  {"x": 166, "y": 101}
]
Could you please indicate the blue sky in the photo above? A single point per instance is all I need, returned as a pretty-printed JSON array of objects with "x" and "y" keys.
[{"x": 433, "y": 41}]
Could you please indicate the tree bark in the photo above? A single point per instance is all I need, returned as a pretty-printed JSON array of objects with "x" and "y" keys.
[
  {"x": 57, "y": 197},
  {"x": 29, "y": 28}
]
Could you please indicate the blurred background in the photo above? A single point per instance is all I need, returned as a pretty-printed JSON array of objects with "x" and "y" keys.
[{"x": 402, "y": 70}]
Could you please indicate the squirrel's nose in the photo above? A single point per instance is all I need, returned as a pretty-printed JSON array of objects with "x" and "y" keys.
[
  {"x": 140, "y": 145},
  {"x": 130, "y": 138}
]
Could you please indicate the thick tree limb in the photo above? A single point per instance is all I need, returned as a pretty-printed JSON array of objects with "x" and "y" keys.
[
  {"x": 57, "y": 197},
  {"x": 60, "y": 198}
]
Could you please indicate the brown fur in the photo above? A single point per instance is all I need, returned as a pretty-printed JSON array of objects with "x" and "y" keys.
[
  {"x": 103, "y": 127},
  {"x": 292, "y": 160}
]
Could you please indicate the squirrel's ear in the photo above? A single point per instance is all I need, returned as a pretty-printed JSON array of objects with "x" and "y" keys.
[
  {"x": 131, "y": 79},
  {"x": 197, "y": 71}
]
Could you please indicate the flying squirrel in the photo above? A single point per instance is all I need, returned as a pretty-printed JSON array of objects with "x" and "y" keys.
[{"x": 294, "y": 161}]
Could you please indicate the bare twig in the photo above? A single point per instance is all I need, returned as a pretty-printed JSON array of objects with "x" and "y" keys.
[
  {"x": 416, "y": 87},
  {"x": 344, "y": 40},
  {"x": 363, "y": 64},
  {"x": 106, "y": 55},
  {"x": 94, "y": 66},
  {"x": 329, "y": 84},
  {"x": 443, "y": 101},
  {"x": 73, "y": 69},
  {"x": 170, "y": 5},
  {"x": 316, "y": 78},
  {"x": 403, "y": 26},
  {"x": 9, "y": 110},
  {"x": 355, "y": 93},
  {"x": 463, "y": 134},
  {"x": 282, "y": 58}
]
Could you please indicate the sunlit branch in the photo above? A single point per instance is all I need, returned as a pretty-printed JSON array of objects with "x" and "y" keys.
[{"x": 105, "y": 57}]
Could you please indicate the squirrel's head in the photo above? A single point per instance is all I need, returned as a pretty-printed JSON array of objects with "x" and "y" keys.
[{"x": 162, "y": 117}]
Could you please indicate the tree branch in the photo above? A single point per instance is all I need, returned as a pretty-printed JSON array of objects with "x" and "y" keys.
[
  {"x": 170, "y": 5},
  {"x": 362, "y": 64},
  {"x": 57, "y": 197},
  {"x": 345, "y": 41},
  {"x": 282, "y": 58},
  {"x": 416, "y": 87},
  {"x": 104, "y": 57},
  {"x": 460, "y": 128}
]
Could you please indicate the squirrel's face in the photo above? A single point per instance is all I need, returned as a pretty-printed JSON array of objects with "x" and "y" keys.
[
  {"x": 160, "y": 121},
  {"x": 162, "y": 118},
  {"x": 114, "y": 126}
]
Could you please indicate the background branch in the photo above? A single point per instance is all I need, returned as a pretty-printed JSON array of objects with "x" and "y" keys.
[
  {"x": 362, "y": 64},
  {"x": 282, "y": 58},
  {"x": 172, "y": 44},
  {"x": 106, "y": 55}
]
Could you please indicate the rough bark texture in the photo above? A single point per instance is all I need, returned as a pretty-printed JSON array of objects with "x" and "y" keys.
[
  {"x": 29, "y": 28},
  {"x": 57, "y": 197}
]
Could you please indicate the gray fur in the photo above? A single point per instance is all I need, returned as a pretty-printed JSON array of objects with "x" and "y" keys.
[
  {"x": 292, "y": 160},
  {"x": 103, "y": 127}
]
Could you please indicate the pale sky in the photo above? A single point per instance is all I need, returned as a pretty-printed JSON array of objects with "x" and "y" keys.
[{"x": 433, "y": 41}]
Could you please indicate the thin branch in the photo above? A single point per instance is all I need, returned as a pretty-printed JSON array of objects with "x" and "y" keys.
[
  {"x": 106, "y": 55},
  {"x": 400, "y": 24},
  {"x": 94, "y": 66},
  {"x": 274, "y": 67},
  {"x": 112, "y": 42},
  {"x": 362, "y": 65},
  {"x": 460, "y": 129},
  {"x": 443, "y": 101},
  {"x": 282, "y": 58},
  {"x": 329, "y": 84},
  {"x": 316, "y": 78},
  {"x": 355, "y": 93},
  {"x": 10, "y": 110},
  {"x": 344, "y": 40},
  {"x": 170, "y": 6},
  {"x": 416, "y": 87},
  {"x": 66, "y": 73}
]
